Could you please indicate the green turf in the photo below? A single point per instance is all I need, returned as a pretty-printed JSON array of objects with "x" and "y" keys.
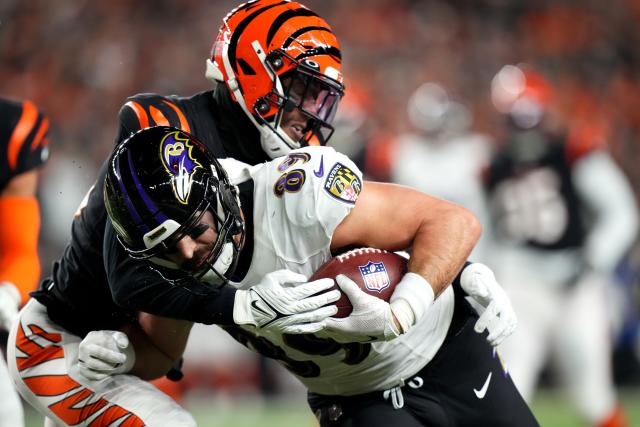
[{"x": 551, "y": 408}]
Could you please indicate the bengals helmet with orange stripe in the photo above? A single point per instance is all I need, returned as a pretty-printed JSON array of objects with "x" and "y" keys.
[{"x": 278, "y": 57}]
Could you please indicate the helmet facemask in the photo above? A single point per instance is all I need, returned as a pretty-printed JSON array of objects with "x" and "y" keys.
[
  {"x": 302, "y": 87},
  {"x": 221, "y": 261},
  {"x": 151, "y": 214},
  {"x": 266, "y": 48}
]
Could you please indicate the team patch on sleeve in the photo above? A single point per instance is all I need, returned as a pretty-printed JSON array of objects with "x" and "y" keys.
[{"x": 343, "y": 184}]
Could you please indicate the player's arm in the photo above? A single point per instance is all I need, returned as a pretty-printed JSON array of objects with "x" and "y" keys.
[
  {"x": 159, "y": 343},
  {"x": 440, "y": 235},
  {"x": 615, "y": 211},
  {"x": 148, "y": 349},
  {"x": 19, "y": 226},
  {"x": 140, "y": 287}
]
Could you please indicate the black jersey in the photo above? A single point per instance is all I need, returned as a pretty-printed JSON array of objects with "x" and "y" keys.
[
  {"x": 79, "y": 295},
  {"x": 23, "y": 138},
  {"x": 533, "y": 199}
]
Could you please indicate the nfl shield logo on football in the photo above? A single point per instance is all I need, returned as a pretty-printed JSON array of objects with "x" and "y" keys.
[{"x": 375, "y": 276}]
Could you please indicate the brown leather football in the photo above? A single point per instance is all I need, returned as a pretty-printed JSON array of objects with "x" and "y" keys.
[{"x": 375, "y": 271}]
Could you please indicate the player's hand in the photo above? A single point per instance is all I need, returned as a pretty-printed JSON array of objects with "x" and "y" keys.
[
  {"x": 105, "y": 353},
  {"x": 9, "y": 303},
  {"x": 284, "y": 301},
  {"x": 370, "y": 320},
  {"x": 479, "y": 282}
]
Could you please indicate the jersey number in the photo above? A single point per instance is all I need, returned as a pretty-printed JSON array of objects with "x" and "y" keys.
[
  {"x": 291, "y": 181},
  {"x": 532, "y": 208},
  {"x": 306, "y": 343}
]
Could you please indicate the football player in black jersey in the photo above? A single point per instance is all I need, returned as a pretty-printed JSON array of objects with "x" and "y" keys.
[
  {"x": 564, "y": 215},
  {"x": 24, "y": 147}
]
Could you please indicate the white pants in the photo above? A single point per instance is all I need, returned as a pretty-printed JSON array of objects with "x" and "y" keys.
[
  {"x": 11, "y": 413},
  {"x": 42, "y": 359},
  {"x": 572, "y": 327}
]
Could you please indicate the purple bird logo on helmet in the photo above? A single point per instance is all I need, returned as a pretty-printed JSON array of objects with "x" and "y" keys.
[{"x": 175, "y": 152}]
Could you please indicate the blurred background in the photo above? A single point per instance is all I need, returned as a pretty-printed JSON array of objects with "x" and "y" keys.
[{"x": 79, "y": 59}]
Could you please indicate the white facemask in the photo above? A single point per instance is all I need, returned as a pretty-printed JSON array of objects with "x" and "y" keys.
[{"x": 222, "y": 264}]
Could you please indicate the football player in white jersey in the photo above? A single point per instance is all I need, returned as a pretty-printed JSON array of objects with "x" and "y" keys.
[{"x": 414, "y": 361}]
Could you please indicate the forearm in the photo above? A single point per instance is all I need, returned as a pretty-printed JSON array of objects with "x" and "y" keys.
[
  {"x": 158, "y": 343},
  {"x": 439, "y": 234},
  {"x": 137, "y": 286},
  {"x": 615, "y": 210},
  {"x": 441, "y": 247}
]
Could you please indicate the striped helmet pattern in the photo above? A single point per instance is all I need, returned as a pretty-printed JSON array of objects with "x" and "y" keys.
[{"x": 252, "y": 30}]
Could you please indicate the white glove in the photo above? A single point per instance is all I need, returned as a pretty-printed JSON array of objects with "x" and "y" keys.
[
  {"x": 286, "y": 302},
  {"x": 479, "y": 282},
  {"x": 9, "y": 304},
  {"x": 370, "y": 320},
  {"x": 105, "y": 353}
]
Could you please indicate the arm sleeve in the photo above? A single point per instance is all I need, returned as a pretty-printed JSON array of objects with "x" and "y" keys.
[
  {"x": 138, "y": 286},
  {"x": 19, "y": 263},
  {"x": 607, "y": 193}
]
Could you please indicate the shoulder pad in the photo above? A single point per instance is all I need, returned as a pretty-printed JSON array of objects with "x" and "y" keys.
[
  {"x": 315, "y": 186},
  {"x": 339, "y": 177},
  {"x": 147, "y": 109},
  {"x": 24, "y": 136}
]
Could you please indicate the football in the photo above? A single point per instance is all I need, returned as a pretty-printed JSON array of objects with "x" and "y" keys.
[{"x": 375, "y": 271}]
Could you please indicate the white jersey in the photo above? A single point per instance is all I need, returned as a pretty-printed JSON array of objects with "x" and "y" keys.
[{"x": 299, "y": 200}]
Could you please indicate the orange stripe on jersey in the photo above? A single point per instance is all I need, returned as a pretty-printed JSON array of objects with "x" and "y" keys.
[
  {"x": 71, "y": 413},
  {"x": 36, "y": 354},
  {"x": 46, "y": 354},
  {"x": 51, "y": 385},
  {"x": 21, "y": 132},
  {"x": 19, "y": 262},
  {"x": 42, "y": 131},
  {"x": 158, "y": 116},
  {"x": 143, "y": 118},
  {"x": 113, "y": 414},
  {"x": 49, "y": 336},
  {"x": 184, "y": 125}
]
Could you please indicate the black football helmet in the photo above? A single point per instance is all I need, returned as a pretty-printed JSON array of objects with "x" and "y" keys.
[{"x": 160, "y": 182}]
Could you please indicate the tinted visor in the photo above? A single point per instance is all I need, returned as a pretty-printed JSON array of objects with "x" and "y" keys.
[{"x": 315, "y": 95}]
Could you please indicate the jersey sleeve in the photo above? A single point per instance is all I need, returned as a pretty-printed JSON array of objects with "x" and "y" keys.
[
  {"x": 146, "y": 110},
  {"x": 23, "y": 135},
  {"x": 138, "y": 286},
  {"x": 315, "y": 188}
]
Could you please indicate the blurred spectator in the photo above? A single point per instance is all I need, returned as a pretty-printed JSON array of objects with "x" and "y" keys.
[{"x": 563, "y": 217}]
